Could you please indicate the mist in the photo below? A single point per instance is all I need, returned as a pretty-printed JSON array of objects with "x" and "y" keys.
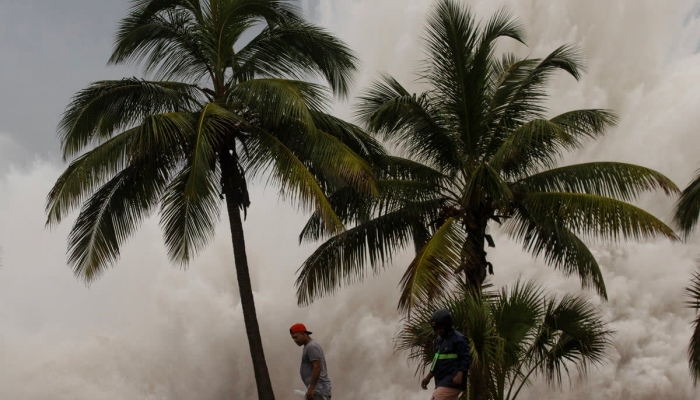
[{"x": 149, "y": 330}]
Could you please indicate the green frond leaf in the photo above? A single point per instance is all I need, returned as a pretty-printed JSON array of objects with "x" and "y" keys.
[
  {"x": 266, "y": 153},
  {"x": 433, "y": 268},
  {"x": 540, "y": 143},
  {"x": 519, "y": 94},
  {"x": 486, "y": 183},
  {"x": 388, "y": 109},
  {"x": 452, "y": 39},
  {"x": 392, "y": 167},
  {"x": 104, "y": 107},
  {"x": 515, "y": 334},
  {"x": 170, "y": 42},
  {"x": 277, "y": 101},
  {"x": 109, "y": 216},
  {"x": 351, "y": 135},
  {"x": 687, "y": 208},
  {"x": 591, "y": 123},
  {"x": 342, "y": 260},
  {"x": 574, "y": 333},
  {"x": 190, "y": 206},
  {"x": 190, "y": 211},
  {"x": 86, "y": 173},
  {"x": 610, "y": 179},
  {"x": 596, "y": 216},
  {"x": 517, "y": 313},
  {"x": 693, "y": 301},
  {"x": 560, "y": 248},
  {"x": 297, "y": 50}
]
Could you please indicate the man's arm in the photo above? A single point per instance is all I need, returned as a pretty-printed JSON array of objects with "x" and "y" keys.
[
  {"x": 315, "y": 354},
  {"x": 464, "y": 356},
  {"x": 315, "y": 374},
  {"x": 424, "y": 383}
]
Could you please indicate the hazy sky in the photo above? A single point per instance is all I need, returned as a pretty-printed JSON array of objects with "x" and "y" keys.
[{"x": 147, "y": 330}]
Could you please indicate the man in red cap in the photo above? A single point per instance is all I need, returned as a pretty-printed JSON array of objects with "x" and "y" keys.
[{"x": 313, "y": 364}]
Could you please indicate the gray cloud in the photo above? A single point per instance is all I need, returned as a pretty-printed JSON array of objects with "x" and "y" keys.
[{"x": 147, "y": 330}]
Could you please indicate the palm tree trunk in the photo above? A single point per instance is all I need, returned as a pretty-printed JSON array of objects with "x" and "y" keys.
[
  {"x": 475, "y": 269},
  {"x": 233, "y": 184}
]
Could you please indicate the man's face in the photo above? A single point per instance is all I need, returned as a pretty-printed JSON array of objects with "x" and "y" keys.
[
  {"x": 299, "y": 338},
  {"x": 440, "y": 330}
]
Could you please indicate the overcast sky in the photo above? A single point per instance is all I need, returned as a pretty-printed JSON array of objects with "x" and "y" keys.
[{"x": 147, "y": 330}]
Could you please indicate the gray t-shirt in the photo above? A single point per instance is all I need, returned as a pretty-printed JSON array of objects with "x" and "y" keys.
[{"x": 312, "y": 352}]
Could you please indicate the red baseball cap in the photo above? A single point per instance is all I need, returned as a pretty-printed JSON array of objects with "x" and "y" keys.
[{"x": 299, "y": 328}]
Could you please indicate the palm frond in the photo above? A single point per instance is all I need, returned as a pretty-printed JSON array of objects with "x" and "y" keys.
[
  {"x": 540, "y": 143},
  {"x": 190, "y": 206},
  {"x": 693, "y": 302},
  {"x": 433, "y": 268},
  {"x": 354, "y": 207},
  {"x": 574, "y": 333},
  {"x": 343, "y": 259},
  {"x": 110, "y": 215},
  {"x": 359, "y": 141},
  {"x": 410, "y": 122},
  {"x": 104, "y": 107},
  {"x": 520, "y": 93},
  {"x": 392, "y": 167},
  {"x": 610, "y": 179},
  {"x": 516, "y": 314},
  {"x": 297, "y": 50},
  {"x": 164, "y": 135},
  {"x": 597, "y": 216},
  {"x": 451, "y": 41},
  {"x": 167, "y": 40},
  {"x": 687, "y": 208},
  {"x": 559, "y": 247},
  {"x": 486, "y": 182},
  {"x": 274, "y": 102},
  {"x": 582, "y": 124},
  {"x": 267, "y": 154},
  {"x": 86, "y": 173},
  {"x": 514, "y": 333}
]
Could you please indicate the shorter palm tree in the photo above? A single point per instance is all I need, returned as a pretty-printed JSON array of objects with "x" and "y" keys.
[{"x": 515, "y": 335}]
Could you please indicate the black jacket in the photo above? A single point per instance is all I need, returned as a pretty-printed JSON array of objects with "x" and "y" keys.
[{"x": 452, "y": 355}]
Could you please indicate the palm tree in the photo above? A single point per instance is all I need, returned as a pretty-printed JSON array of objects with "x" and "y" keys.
[
  {"x": 480, "y": 149},
  {"x": 693, "y": 294},
  {"x": 687, "y": 211},
  {"x": 226, "y": 105},
  {"x": 515, "y": 335}
]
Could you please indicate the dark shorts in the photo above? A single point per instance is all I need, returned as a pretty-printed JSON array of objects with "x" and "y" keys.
[{"x": 321, "y": 397}]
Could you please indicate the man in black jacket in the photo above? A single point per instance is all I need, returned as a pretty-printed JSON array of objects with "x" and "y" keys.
[{"x": 452, "y": 359}]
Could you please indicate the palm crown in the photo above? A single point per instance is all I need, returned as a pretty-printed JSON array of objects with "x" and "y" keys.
[
  {"x": 480, "y": 149},
  {"x": 164, "y": 142}
]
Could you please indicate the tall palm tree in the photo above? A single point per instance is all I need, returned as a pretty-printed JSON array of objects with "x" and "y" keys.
[
  {"x": 226, "y": 105},
  {"x": 687, "y": 211},
  {"x": 515, "y": 335},
  {"x": 480, "y": 150}
]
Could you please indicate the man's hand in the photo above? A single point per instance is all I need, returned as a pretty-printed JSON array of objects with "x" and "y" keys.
[
  {"x": 424, "y": 383},
  {"x": 457, "y": 380},
  {"x": 310, "y": 393}
]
